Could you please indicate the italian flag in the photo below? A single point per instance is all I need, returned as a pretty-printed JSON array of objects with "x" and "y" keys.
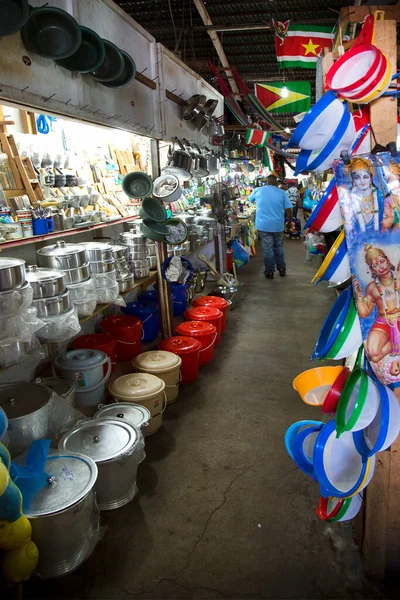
[{"x": 302, "y": 45}]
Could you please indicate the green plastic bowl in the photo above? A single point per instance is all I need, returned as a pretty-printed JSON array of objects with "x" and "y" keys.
[
  {"x": 137, "y": 185},
  {"x": 112, "y": 66},
  {"x": 89, "y": 55},
  {"x": 178, "y": 226},
  {"x": 153, "y": 209},
  {"x": 127, "y": 76},
  {"x": 154, "y": 231},
  {"x": 51, "y": 32}
]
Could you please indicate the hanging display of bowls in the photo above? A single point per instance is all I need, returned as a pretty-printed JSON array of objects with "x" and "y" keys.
[
  {"x": 336, "y": 265},
  {"x": 294, "y": 430},
  {"x": 379, "y": 84},
  {"x": 349, "y": 337},
  {"x": 326, "y": 216},
  {"x": 330, "y": 403},
  {"x": 314, "y": 384},
  {"x": 127, "y": 76},
  {"x": 14, "y": 15},
  {"x": 320, "y": 123},
  {"x": 89, "y": 56},
  {"x": 303, "y": 448},
  {"x": 334, "y": 509},
  {"x": 358, "y": 404},
  {"x": 138, "y": 185},
  {"x": 152, "y": 209},
  {"x": 112, "y": 66},
  {"x": 51, "y": 33},
  {"x": 178, "y": 232},
  {"x": 332, "y": 325},
  {"x": 167, "y": 188}
]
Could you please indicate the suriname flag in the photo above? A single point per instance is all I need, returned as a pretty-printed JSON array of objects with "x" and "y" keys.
[
  {"x": 296, "y": 99},
  {"x": 302, "y": 45}
]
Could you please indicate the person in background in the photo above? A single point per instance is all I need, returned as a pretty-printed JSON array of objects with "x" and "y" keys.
[
  {"x": 272, "y": 205},
  {"x": 294, "y": 197}
]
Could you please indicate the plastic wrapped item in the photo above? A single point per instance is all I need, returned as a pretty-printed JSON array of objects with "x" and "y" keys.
[
  {"x": 12, "y": 351},
  {"x": 82, "y": 292},
  {"x": 20, "y": 327},
  {"x": 102, "y": 280},
  {"x": 240, "y": 255},
  {"x": 85, "y": 309},
  {"x": 62, "y": 417},
  {"x": 110, "y": 295},
  {"x": 12, "y": 302},
  {"x": 60, "y": 327}
]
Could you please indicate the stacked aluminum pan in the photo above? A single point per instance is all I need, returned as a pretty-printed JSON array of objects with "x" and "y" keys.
[
  {"x": 137, "y": 253},
  {"x": 125, "y": 277},
  {"x": 103, "y": 270}
]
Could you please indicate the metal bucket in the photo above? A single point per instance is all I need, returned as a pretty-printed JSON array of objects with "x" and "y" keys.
[
  {"x": 117, "y": 449},
  {"x": 64, "y": 515},
  {"x": 27, "y": 408}
]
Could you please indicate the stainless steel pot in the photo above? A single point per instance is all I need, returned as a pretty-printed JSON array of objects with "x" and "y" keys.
[
  {"x": 138, "y": 264},
  {"x": 176, "y": 251},
  {"x": 137, "y": 255},
  {"x": 132, "y": 239},
  {"x": 117, "y": 449},
  {"x": 126, "y": 283},
  {"x": 201, "y": 164},
  {"x": 212, "y": 162},
  {"x": 46, "y": 282},
  {"x": 179, "y": 162},
  {"x": 141, "y": 273},
  {"x": 133, "y": 225},
  {"x": 13, "y": 301},
  {"x": 186, "y": 247},
  {"x": 152, "y": 262},
  {"x": 121, "y": 265},
  {"x": 78, "y": 274},
  {"x": 64, "y": 515},
  {"x": 119, "y": 252},
  {"x": 12, "y": 351},
  {"x": 104, "y": 266},
  {"x": 151, "y": 250},
  {"x": 98, "y": 251},
  {"x": 62, "y": 387},
  {"x": 50, "y": 307},
  {"x": 27, "y": 408},
  {"x": 193, "y": 107},
  {"x": 12, "y": 274},
  {"x": 62, "y": 256}
]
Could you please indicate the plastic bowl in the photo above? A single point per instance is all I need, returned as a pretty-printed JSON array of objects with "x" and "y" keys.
[
  {"x": 314, "y": 384},
  {"x": 358, "y": 404},
  {"x": 89, "y": 55},
  {"x": 128, "y": 74},
  {"x": 323, "y": 209},
  {"x": 336, "y": 266},
  {"x": 332, "y": 324},
  {"x": 293, "y": 430},
  {"x": 328, "y": 508},
  {"x": 51, "y": 32},
  {"x": 112, "y": 66},
  {"x": 139, "y": 185},
  {"x": 330, "y": 403},
  {"x": 349, "y": 338},
  {"x": 350, "y": 508},
  {"x": 303, "y": 448},
  {"x": 178, "y": 232},
  {"x": 154, "y": 231},
  {"x": 153, "y": 209}
]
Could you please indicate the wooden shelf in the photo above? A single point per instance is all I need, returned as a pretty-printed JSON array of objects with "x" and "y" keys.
[{"x": 59, "y": 234}]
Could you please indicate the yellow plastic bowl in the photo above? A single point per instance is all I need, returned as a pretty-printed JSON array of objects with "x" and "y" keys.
[
  {"x": 328, "y": 257},
  {"x": 314, "y": 384}
]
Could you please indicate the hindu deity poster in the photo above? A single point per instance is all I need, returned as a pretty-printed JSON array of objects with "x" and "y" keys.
[{"x": 369, "y": 197}]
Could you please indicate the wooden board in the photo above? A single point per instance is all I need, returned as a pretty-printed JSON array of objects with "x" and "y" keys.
[{"x": 393, "y": 513}]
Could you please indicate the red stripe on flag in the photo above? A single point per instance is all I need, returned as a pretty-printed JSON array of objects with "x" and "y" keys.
[{"x": 293, "y": 46}]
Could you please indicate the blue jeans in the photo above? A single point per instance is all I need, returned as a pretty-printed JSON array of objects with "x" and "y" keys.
[{"x": 272, "y": 245}]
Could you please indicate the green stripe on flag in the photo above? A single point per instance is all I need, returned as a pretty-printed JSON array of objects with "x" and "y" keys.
[{"x": 312, "y": 29}]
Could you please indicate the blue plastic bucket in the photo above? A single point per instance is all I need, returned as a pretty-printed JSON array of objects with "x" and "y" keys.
[
  {"x": 148, "y": 313},
  {"x": 178, "y": 294}
]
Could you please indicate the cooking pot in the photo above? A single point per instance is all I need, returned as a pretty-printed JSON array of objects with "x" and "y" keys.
[
  {"x": 77, "y": 275},
  {"x": 45, "y": 282},
  {"x": 62, "y": 387},
  {"x": 138, "y": 264},
  {"x": 63, "y": 513},
  {"x": 119, "y": 252},
  {"x": 152, "y": 262},
  {"x": 151, "y": 249},
  {"x": 126, "y": 283},
  {"x": 137, "y": 253},
  {"x": 200, "y": 169},
  {"x": 27, "y": 408},
  {"x": 49, "y": 307},
  {"x": 117, "y": 449},
  {"x": 194, "y": 106},
  {"x": 167, "y": 188},
  {"x": 98, "y": 251},
  {"x": 104, "y": 266},
  {"x": 85, "y": 368},
  {"x": 212, "y": 162},
  {"x": 132, "y": 239},
  {"x": 62, "y": 256},
  {"x": 13, "y": 301},
  {"x": 13, "y": 350},
  {"x": 133, "y": 414},
  {"x": 142, "y": 272},
  {"x": 179, "y": 162},
  {"x": 12, "y": 274},
  {"x": 133, "y": 226}
]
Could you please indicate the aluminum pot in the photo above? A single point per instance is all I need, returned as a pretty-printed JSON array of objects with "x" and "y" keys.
[
  {"x": 104, "y": 266},
  {"x": 201, "y": 169},
  {"x": 138, "y": 264},
  {"x": 13, "y": 301},
  {"x": 46, "y": 282},
  {"x": 152, "y": 262},
  {"x": 131, "y": 238},
  {"x": 186, "y": 246},
  {"x": 212, "y": 162},
  {"x": 98, "y": 251},
  {"x": 13, "y": 350},
  {"x": 65, "y": 509},
  {"x": 176, "y": 251},
  {"x": 119, "y": 252},
  {"x": 62, "y": 256},
  {"x": 117, "y": 449},
  {"x": 140, "y": 273},
  {"x": 151, "y": 250},
  {"x": 78, "y": 274},
  {"x": 179, "y": 162},
  {"x": 50, "y": 307},
  {"x": 27, "y": 408},
  {"x": 137, "y": 255},
  {"x": 12, "y": 274},
  {"x": 133, "y": 226},
  {"x": 133, "y": 414},
  {"x": 62, "y": 387},
  {"x": 126, "y": 283}
]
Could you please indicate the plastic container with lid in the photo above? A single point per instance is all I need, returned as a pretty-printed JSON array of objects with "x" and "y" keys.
[
  {"x": 165, "y": 365},
  {"x": 145, "y": 389},
  {"x": 216, "y": 302},
  {"x": 189, "y": 350},
  {"x": 117, "y": 449},
  {"x": 208, "y": 314},
  {"x": 98, "y": 341},
  {"x": 127, "y": 331},
  {"x": 148, "y": 313},
  {"x": 64, "y": 508},
  {"x": 205, "y": 333}
]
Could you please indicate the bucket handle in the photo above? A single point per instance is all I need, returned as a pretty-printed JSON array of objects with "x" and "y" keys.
[
  {"x": 97, "y": 385},
  {"x": 212, "y": 343},
  {"x": 165, "y": 402}
]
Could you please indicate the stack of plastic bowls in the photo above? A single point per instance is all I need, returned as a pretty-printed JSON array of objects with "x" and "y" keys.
[
  {"x": 326, "y": 216},
  {"x": 336, "y": 266}
]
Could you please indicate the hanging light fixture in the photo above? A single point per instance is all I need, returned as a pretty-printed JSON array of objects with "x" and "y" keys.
[{"x": 284, "y": 92}]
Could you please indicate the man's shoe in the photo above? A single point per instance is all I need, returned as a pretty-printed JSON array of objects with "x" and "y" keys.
[
  {"x": 282, "y": 272},
  {"x": 269, "y": 275}
]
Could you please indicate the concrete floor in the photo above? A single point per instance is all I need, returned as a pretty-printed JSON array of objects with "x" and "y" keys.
[{"x": 222, "y": 511}]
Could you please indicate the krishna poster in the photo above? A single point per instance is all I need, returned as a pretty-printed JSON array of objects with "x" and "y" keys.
[{"x": 369, "y": 196}]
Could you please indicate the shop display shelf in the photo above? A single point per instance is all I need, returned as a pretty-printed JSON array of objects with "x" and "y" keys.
[{"x": 57, "y": 234}]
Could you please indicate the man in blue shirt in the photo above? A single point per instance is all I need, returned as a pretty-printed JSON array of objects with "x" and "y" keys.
[{"x": 272, "y": 206}]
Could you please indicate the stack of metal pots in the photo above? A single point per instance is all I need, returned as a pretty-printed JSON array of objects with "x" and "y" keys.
[
  {"x": 125, "y": 277},
  {"x": 137, "y": 253},
  {"x": 103, "y": 270},
  {"x": 151, "y": 255},
  {"x": 50, "y": 295},
  {"x": 183, "y": 249}
]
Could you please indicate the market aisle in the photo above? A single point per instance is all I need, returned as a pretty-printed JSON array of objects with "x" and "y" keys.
[{"x": 223, "y": 512}]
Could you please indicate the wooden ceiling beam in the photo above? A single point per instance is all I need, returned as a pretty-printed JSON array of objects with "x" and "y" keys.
[{"x": 357, "y": 14}]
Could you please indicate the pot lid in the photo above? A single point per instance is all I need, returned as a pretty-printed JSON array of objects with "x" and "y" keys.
[
  {"x": 202, "y": 313},
  {"x": 60, "y": 386},
  {"x": 214, "y": 301},
  {"x": 157, "y": 361},
  {"x": 195, "y": 328},
  {"x": 6, "y": 262},
  {"x": 69, "y": 476},
  {"x": 96, "y": 245},
  {"x": 132, "y": 235},
  {"x": 81, "y": 359},
  {"x": 180, "y": 344},
  {"x": 116, "y": 248},
  {"x": 136, "y": 385},
  {"x": 42, "y": 275},
  {"x": 133, "y": 414},
  {"x": 61, "y": 248},
  {"x": 100, "y": 439},
  {"x": 21, "y": 399}
]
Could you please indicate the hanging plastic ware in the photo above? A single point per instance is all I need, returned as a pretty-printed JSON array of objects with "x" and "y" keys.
[
  {"x": 350, "y": 508},
  {"x": 358, "y": 404},
  {"x": 330, "y": 403},
  {"x": 319, "y": 124},
  {"x": 383, "y": 429},
  {"x": 336, "y": 266},
  {"x": 293, "y": 431},
  {"x": 332, "y": 324},
  {"x": 349, "y": 337},
  {"x": 303, "y": 449},
  {"x": 314, "y": 384},
  {"x": 326, "y": 216},
  {"x": 338, "y": 466},
  {"x": 339, "y": 509},
  {"x": 377, "y": 85}
]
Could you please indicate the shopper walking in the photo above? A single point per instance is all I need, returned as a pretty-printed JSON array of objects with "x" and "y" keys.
[
  {"x": 272, "y": 205},
  {"x": 294, "y": 197}
]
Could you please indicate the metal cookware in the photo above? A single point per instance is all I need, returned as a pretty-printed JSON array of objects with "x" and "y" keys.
[
  {"x": 133, "y": 414},
  {"x": 133, "y": 226},
  {"x": 200, "y": 169},
  {"x": 62, "y": 256},
  {"x": 119, "y": 252},
  {"x": 50, "y": 307},
  {"x": 104, "y": 266},
  {"x": 176, "y": 251},
  {"x": 141, "y": 273},
  {"x": 46, "y": 282},
  {"x": 179, "y": 162},
  {"x": 131, "y": 238},
  {"x": 63, "y": 513},
  {"x": 186, "y": 247},
  {"x": 78, "y": 274},
  {"x": 13, "y": 301},
  {"x": 117, "y": 449},
  {"x": 138, "y": 264},
  {"x": 151, "y": 250},
  {"x": 212, "y": 162},
  {"x": 12, "y": 351},
  {"x": 152, "y": 262},
  {"x": 133, "y": 255},
  {"x": 98, "y": 251},
  {"x": 12, "y": 274},
  {"x": 26, "y": 407},
  {"x": 62, "y": 387},
  {"x": 193, "y": 107},
  {"x": 126, "y": 283}
]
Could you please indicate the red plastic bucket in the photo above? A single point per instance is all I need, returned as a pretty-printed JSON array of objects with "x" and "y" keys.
[
  {"x": 98, "y": 341},
  {"x": 189, "y": 350},
  {"x": 204, "y": 332},
  {"x": 207, "y": 314},
  {"x": 127, "y": 331},
  {"x": 215, "y": 302}
]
